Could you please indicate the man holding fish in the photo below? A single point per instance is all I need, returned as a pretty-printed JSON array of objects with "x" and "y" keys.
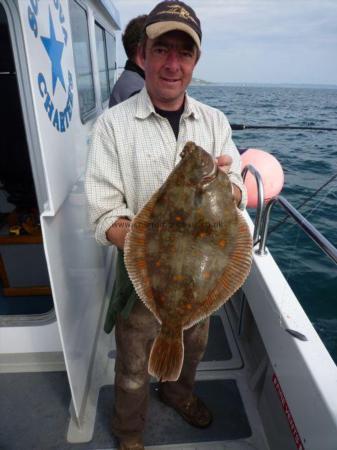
[{"x": 135, "y": 146}]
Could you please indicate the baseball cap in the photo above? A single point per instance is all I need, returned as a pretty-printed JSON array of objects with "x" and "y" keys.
[{"x": 173, "y": 15}]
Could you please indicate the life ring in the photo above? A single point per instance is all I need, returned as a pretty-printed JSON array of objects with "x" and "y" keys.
[{"x": 271, "y": 173}]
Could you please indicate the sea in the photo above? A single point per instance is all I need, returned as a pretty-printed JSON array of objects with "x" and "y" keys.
[{"x": 309, "y": 160}]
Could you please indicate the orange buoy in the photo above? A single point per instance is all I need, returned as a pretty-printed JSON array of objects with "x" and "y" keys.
[{"x": 271, "y": 173}]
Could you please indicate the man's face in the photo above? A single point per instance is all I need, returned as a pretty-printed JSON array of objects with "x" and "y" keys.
[{"x": 168, "y": 63}]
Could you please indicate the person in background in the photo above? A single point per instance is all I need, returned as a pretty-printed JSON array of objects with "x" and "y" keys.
[
  {"x": 131, "y": 80},
  {"x": 135, "y": 146}
]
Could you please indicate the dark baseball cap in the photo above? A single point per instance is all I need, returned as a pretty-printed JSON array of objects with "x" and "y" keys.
[{"x": 173, "y": 15}]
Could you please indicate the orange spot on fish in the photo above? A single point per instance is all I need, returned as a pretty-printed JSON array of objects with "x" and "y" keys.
[
  {"x": 222, "y": 243},
  {"x": 206, "y": 275},
  {"x": 178, "y": 218},
  {"x": 178, "y": 278},
  {"x": 139, "y": 241},
  {"x": 141, "y": 263},
  {"x": 188, "y": 306}
]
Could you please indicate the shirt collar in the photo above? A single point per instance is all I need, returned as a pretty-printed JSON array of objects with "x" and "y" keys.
[
  {"x": 145, "y": 106},
  {"x": 190, "y": 107}
]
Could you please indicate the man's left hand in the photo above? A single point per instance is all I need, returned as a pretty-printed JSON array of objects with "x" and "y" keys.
[{"x": 224, "y": 163}]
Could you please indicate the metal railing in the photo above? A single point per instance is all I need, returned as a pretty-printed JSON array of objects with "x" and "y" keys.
[
  {"x": 263, "y": 214},
  {"x": 260, "y": 199},
  {"x": 322, "y": 242}
]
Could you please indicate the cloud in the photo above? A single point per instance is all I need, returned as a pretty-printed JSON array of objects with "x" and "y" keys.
[
  {"x": 275, "y": 20},
  {"x": 287, "y": 35}
]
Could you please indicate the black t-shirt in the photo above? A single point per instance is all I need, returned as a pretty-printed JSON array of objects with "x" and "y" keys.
[{"x": 173, "y": 117}]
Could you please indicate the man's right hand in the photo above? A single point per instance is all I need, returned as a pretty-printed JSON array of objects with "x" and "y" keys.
[{"x": 116, "y": 234}]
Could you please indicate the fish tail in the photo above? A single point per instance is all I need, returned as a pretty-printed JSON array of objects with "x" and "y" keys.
[{"x": 167, "y": 355}]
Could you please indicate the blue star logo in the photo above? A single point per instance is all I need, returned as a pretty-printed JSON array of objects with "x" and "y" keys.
[{"x": 54, "y": 49}]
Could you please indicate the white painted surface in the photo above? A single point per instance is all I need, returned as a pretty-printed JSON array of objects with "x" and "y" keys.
[
  {"x": 51, "y": 94},
  {"x": 305, "y": 370},
  {"x": 77, "y": 271},
  {"x": 44, "y": 338},
  {"x": 77, "y": 266}
]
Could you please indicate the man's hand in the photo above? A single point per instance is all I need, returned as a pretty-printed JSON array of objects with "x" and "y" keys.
[
  {"x": 117, "y": 232},
  {"x": 224, "y": 163}
]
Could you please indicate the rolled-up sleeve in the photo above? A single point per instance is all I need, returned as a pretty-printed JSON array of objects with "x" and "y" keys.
[
  {"x": 235, "y": 170},
  {"x": 103, "y": 182}
]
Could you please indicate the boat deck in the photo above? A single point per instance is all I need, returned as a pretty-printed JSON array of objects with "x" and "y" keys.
[{"x": 35, "y": 406}]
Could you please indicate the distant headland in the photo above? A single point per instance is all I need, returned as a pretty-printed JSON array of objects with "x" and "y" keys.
[{"x": 201, "y": 82}]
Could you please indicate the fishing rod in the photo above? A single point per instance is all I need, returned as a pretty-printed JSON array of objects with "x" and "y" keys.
[{"x": 238, "y": 126}]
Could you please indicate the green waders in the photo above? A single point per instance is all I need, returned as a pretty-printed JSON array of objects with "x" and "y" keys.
[{"x": 123, "y": 295}]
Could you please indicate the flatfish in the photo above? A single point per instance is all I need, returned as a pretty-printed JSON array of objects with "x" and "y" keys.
[{"x": 188, "y": 250}]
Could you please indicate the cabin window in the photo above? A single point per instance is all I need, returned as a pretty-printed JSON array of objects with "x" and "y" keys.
[
  {"x": 111, "y": 52},
  {"x": 102, "y": 62},
  {"x": 83, "y": 65}
]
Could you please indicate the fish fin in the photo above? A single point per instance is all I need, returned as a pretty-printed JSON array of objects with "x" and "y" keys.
[
  {"x": 135, "y": 256},
  {"x": 233, "y": 277},
  {"x": 167, "y": 355}
]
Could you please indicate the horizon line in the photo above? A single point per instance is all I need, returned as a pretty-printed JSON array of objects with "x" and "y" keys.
[{"x": 285, "y": 83}]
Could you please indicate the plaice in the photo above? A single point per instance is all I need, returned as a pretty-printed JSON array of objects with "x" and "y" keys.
[{"x": 188, "y": 250}]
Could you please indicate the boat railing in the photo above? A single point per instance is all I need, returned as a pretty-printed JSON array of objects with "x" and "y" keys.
[
  {"x": 263, "y": 211},
  {"x": 322, "y": 242},
  {"x": 260, "y": 199}
]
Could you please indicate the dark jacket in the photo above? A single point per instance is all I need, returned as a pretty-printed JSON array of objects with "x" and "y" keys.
[{"x": 129, "y": 83}]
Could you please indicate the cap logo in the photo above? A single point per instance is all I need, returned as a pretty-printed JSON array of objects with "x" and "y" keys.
[{"x": 178, "y": 11}]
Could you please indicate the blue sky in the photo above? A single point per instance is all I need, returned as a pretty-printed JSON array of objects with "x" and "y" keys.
[{"x": 259, "y": 41}]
